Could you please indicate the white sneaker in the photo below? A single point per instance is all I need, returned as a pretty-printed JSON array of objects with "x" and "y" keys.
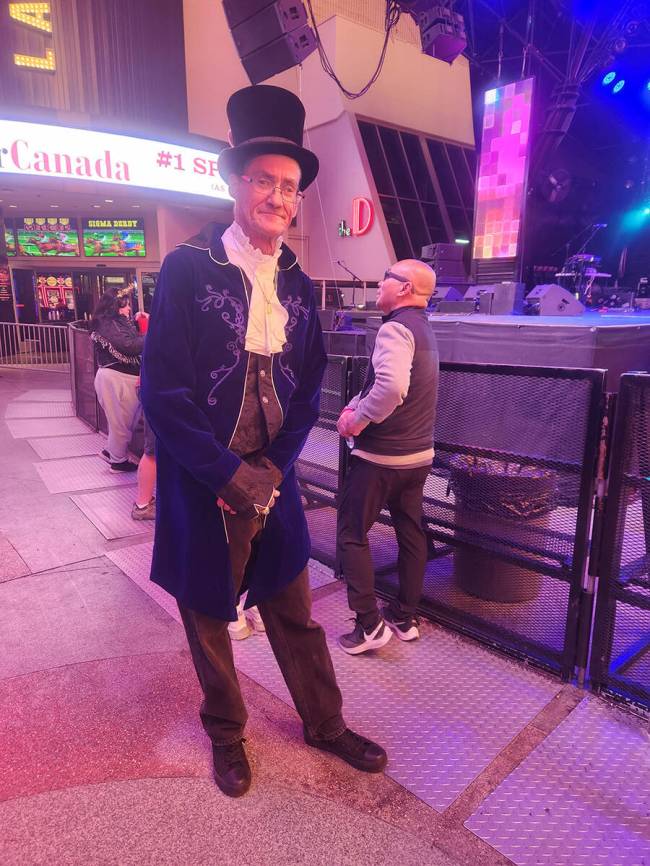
[
  {"x": 239, "y": 630},
  {"x": 255, "y": 621}
]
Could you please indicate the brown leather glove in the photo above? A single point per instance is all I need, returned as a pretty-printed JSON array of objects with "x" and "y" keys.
[{"x": 250, "y": 486}]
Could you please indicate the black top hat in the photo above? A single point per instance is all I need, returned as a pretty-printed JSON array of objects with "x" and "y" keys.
[{"x": 266, "y": 119}]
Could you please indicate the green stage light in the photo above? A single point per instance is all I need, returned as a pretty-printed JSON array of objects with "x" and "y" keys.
[{"x": 637, "y": 219}]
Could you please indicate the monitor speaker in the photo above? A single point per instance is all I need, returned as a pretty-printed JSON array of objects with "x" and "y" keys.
[
  {"x": 269, "y": 37},
  {"x": 445, "y": 293},
  {"x": 553, "y": 300}
]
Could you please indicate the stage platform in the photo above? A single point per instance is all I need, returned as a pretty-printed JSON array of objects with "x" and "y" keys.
[{"x": 616, "y": 342}]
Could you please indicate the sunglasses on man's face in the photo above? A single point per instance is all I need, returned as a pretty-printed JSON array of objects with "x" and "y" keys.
[{"x": 391, "y": 275}]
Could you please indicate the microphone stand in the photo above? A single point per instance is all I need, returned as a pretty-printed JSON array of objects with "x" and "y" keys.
[
  {"x": 596, "y": 228},
  {"x": 355, "y": 279}
]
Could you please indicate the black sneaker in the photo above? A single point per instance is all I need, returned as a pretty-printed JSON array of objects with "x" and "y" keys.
[
  {"x": 352, "y": 748},
  {"x": 361, "y": 641},
  {"x": 105, "y": 455},
  {"x": 232, "y": 772},
  {"x": 404, "y": 628},
  {"x": 124, "y": 466}
]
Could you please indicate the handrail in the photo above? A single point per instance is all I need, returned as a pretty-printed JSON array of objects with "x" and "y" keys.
[{"x": 35, "y": 346}]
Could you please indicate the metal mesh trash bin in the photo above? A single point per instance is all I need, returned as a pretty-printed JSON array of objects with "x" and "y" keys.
[{"x": 498, "y": 501}]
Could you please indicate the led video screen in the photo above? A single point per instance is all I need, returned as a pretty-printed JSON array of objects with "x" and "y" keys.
[
  {"x": 10, "y": 238},
  {"x": 114, "y": 237},
  {"x": 47, "y": 236},
  {"x": 503, "y": 169}
]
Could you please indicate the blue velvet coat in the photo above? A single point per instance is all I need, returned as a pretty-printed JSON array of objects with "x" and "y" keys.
[{"x": 193, "y": 380}]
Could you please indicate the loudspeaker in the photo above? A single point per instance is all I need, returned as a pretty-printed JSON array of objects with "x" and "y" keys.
[
  {"x": 446, "y": 293},
  {"x": 553, "y": 300},
  {"x": 455, "y": 307},
  {"x": 334, "y": 320},
  {"x": 442, "y": 32},
  {"x": 327, "y": 319},
  {"x": 269, "y": 37},
  {"x": 437, "y": 252},
  {"x": 499, "y": 299}
]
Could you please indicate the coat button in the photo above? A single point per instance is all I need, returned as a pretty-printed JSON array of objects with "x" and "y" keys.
[
  {"x": 265, "y": 399},
  {"x": 263, "y": 373}
]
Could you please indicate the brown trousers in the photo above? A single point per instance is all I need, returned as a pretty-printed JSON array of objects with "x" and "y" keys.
[{"x": 298, "y": 643}]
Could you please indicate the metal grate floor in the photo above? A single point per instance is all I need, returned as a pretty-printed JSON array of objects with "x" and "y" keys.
[
  {"x": 135, "y": 562},
  {"x": 57, "y": 447},
  {"x": 80, "y": 473},
  {"x": 25, "y": 428},
  {"x": 582, "y": 798},
  {"x": 63, "y": 395},
  {"x": 319, "y": 575},
  {"x": 20, "y": 409},
  {"x": 110, "y": 512},
  {"x": 443, "y": 708}
]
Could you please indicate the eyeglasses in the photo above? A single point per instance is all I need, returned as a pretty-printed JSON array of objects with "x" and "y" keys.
[
  {"x": 265, "y": 186},
  {"x": 391, "y": 275}
]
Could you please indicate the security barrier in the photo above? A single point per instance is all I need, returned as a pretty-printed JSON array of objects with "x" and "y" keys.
[
  {"x": 508, "y": 511},
  {"x": 508, "y": 505},
  {"x": 36, "y": 347},
  {"x": 620, "y": 658}
]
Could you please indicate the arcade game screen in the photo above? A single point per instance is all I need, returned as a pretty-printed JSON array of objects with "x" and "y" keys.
[
  {"x": 47, "y": 236},
  {"x": 10, "y": 239},
  {"x": 114, "y": 237}
]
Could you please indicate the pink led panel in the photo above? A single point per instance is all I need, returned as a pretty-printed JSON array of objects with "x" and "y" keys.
[{"x": 501, "y": 187}]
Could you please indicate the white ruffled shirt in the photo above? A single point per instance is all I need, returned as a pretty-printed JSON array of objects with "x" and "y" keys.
[{"x": 265, "y": 334}]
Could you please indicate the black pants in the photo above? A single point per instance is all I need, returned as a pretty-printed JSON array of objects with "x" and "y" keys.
[
  {"x": 366, "y": 490},
  {"x": 298, "y": 643}
]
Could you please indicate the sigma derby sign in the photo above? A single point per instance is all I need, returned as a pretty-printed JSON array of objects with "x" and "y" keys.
[{"x": 60, "y": 152}]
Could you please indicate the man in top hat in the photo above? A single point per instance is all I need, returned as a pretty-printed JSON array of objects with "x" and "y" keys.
[{"x": 231, "y": 384}]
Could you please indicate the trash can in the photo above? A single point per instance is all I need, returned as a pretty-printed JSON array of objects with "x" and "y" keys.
[{"x": 500, "y": 501}]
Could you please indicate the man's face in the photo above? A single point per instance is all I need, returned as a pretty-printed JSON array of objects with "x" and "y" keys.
[
  {"x": 266, "y": 215},
  {"x": 391, "y": 289}
]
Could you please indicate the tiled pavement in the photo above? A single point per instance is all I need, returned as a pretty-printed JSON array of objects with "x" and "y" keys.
[{"x": 104, "y": 761}]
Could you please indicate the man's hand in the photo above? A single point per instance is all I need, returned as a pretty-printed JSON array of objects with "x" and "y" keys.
[
  {"x": 226, "y": 507},
  {"x": 342, "y": 423},
  {"x": 347, "y": 426},
  {"x": 252, "y": 490}
]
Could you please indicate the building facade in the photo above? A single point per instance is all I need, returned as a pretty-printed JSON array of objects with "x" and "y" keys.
[{"x": 112, "y": 115}]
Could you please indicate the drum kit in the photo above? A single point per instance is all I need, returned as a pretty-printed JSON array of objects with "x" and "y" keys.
[{"x": 581, "y": 276}]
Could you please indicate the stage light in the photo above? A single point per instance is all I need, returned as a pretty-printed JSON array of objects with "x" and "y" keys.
[
  {"x": 607, "y": 80},
  {"x": 647, "y": 85},
  {"x": 619, "y": 86},
  {"x": 462, "y": 240},
  {"x": 646, "y": 211}
]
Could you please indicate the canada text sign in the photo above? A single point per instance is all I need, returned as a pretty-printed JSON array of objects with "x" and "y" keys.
[{"x": 60, "y": 152}]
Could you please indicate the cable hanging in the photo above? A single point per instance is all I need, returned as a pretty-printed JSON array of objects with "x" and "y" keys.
[{"x": 393, "y": 12}]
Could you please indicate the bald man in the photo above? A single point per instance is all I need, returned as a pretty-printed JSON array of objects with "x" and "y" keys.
[{"x": 391, "y": 422}]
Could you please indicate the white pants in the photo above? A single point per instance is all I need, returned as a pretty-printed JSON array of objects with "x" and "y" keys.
[{"x": 117, "y": 395}]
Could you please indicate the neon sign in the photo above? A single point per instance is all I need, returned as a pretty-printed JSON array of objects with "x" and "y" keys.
[
  {"x": 81, "y": 154},
  {"x": 362, "y": 216},
  {"x": 36, "y": 16}
]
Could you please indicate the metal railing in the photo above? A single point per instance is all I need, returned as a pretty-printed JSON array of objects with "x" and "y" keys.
[
  {"x": 508, "y": 505},
  {"x": 40, "y": 347},
  {"x": 508, "y": 510},
  {"x": 620, "y": 659}
]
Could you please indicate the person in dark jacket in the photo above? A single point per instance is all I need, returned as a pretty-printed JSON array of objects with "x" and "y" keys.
[
  {"x": 231, "y": 385},
  {"x": 391, "y": 422},
  {"x": 118, "y": 346}
]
